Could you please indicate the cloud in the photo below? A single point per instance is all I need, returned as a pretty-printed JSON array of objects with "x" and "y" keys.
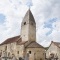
[
  {"x": 29, "y": 3},
  {"x": 48, "y": 24},
  {"x": 46, "y": 14}
]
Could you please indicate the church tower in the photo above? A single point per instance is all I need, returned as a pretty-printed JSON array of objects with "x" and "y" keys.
[{"x": 28, "y": 27}]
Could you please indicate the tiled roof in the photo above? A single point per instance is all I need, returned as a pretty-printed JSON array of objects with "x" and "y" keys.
[
  {"x": 29, "y": 44},
  {"x": 57, "y": 44},
  {"x": 11, "y": 40},
  {"x": 34, "y": 45},
  {"x": 20, "y": 42}
]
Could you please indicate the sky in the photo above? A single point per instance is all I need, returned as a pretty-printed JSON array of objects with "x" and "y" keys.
[{"x": 45, "y": 12}]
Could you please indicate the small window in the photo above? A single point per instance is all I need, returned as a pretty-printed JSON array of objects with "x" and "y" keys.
[
  {"x": 43, "y": 53},
  {"x": 31, "y": 23},
  {"x": 29, "y": 52},
  {"x": 5, "y": 47},
  {"x": 8, "y": 53},
  {"x": 40, "y": 58},
  {"x": 24, "y": 23},
  {"x": 17, "y": 52}
]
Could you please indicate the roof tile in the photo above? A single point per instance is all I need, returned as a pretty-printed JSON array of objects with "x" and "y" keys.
[{"x": 11, "y": 40}]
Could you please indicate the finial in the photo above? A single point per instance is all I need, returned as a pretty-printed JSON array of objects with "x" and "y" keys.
[
  {"x": 29, "y": 6},
  {"x": 29, "y": 3}
]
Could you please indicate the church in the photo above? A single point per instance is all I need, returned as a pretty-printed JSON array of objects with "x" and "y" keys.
[{"x": 24, "y": 44}]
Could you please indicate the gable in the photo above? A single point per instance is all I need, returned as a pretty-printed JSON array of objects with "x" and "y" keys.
[{"x": 52, "y": 48}]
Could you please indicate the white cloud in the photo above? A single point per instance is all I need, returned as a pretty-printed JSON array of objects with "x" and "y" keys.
[
  {"x": 11, "y": 26},
  {"x": 43, "y": 10}
]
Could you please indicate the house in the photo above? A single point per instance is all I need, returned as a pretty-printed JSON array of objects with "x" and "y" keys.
[
  {"x": 53, "y": 50},
  {"x": 24, "y": 44}
]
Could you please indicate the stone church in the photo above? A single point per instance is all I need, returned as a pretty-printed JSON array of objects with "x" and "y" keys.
[{"x": 24, "y": 44}]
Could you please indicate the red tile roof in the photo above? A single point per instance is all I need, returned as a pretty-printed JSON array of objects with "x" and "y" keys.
[
  {"x": 11, "y": 40},
  {"x": 18, "y": 40}
]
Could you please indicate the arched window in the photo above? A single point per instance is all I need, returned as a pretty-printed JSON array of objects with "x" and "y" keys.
[
  {"x": 40, "y": 58},
  {"x": 8, "y": 54},
  {"x": 29, "y": 52},
  {"x": 24, "y": 23},
  {"x": 17, "y": 52},
  {"x": 31, "y": 23},
  {"x": 5, "y": 47}
]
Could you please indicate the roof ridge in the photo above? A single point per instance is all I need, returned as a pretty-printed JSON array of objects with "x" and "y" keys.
[
  {"x": 10, "y": 40},
  {"x": 34, "y": 44},
  {"x": 57, "y": 44},
  {"x": 28, "y": 43}
]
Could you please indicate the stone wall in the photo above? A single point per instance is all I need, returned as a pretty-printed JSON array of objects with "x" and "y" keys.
[
  {"x": 20, "y": 50},
  {"x": 36, "y": 53},
  {"x": 53, "y": 49},
  {"x": 9, "y": 48}
]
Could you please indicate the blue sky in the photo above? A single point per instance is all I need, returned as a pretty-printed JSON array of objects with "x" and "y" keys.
[
  {"x": 2, "y": 18},
  {"x": 45, "y": 12},
  {"x": 48, "y": 24}
]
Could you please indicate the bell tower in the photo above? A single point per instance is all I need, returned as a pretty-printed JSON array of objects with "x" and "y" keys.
[{"x": 28, "y": 27}]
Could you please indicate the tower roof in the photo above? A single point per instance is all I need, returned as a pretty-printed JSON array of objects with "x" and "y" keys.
[{"x": 29, "y": 17}]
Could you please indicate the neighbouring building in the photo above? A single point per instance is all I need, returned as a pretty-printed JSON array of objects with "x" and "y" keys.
[
  {"x": 53, "y": 51},
  {"x": 25, "y": 43}
]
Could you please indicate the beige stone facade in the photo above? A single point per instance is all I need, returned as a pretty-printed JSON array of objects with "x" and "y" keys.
[
  {"x": 36, "y": 53},
  {"x": 25, "y": 43},
  {"x": 54, "y": 48},
  {"x": 28, "y": 27}
]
